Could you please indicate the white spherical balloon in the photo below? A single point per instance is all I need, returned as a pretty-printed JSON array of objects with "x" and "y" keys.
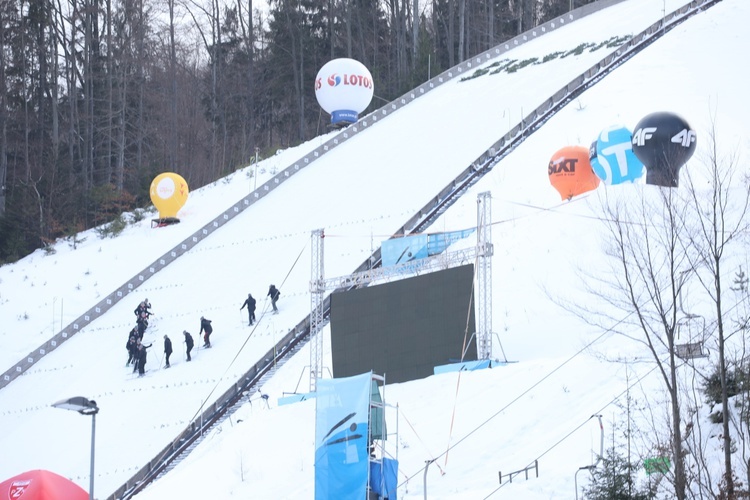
[{"x": 344, "y": 89}]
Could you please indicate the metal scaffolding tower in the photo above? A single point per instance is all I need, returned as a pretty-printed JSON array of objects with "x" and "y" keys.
[
  {"x": 317, "y": 288},
  {"x": 481, "y": 254},
  {"x": 484, "y": 275}
]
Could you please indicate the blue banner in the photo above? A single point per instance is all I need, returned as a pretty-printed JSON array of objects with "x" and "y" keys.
[
  {"x": 383, "y": 478},
  {"x": 341, "y": 437},
  {"x": 437, "y": 243},
  {"x": 419, "y": 246},
  {"x": 400, "y": 250}
]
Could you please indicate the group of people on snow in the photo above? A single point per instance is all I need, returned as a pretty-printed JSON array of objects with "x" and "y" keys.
[
  {"x": 250, "y": 303},
  {"x": 137, "y": 350},
  {"x": 137, "y": 354}
]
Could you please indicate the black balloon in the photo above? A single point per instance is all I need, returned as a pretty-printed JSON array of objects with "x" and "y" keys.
[
  {"x": 663, "y": 142},
  {"x": 593, "y": 153}
]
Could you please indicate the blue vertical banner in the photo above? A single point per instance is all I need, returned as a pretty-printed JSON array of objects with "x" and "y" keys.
[{"x": 341, "y": 437}]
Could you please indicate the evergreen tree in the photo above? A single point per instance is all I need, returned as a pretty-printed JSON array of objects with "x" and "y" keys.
[{"x": 614, "y": 479}]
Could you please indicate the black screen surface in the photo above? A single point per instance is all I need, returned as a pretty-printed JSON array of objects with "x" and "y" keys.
[{"x": 405, "y": 328}]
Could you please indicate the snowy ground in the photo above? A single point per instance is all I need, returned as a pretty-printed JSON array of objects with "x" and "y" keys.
[{"x": 495, "y": 420}]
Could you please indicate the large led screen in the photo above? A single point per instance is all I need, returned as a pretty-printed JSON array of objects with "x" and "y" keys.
[{"x": 405, "y": 328}]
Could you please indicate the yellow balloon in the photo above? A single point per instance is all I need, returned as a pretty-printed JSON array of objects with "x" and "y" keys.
[{"x": 169, "y": 192}]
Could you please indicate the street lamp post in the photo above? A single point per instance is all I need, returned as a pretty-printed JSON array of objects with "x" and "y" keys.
[{"x": 84, "y": 407}]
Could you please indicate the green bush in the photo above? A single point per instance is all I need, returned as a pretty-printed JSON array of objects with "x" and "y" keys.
[
  {"x": 522, "y": 64},
  {"x": 736, "y": 383},
  {"x": 113, "y": 229},
  {"x": 614, "y": 479}
]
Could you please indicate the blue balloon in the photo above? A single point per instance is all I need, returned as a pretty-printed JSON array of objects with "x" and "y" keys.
[{"x": 612, "y": 156}]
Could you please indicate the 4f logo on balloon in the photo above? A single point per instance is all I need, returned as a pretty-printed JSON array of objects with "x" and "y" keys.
[
  {"x": 664, "y": 143},
  {"x": 562, "y": 165},
  {"x": 684, "y": 138},
  {"x": 642, "y": 135}
]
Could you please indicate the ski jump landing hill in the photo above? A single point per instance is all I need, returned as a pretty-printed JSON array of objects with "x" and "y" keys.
[
  {"x": 486, "y": 160},
  {"x": 447, "y": 169}
]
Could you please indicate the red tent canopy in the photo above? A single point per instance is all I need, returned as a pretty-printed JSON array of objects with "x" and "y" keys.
[{"x": 41, "y": 485}]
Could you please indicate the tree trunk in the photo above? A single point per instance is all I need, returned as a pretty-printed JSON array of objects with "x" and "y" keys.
[
  {"x": 415, "y": 35},
  {"x": 461, "y": 30},
  {"x": 172, "y": 90},
  {"x": 3, "y": 120},
  {"x": 451, "y": 36}
]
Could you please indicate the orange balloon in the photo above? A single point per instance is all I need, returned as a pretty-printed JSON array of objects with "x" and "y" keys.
[{"x": 570, "y": 172}]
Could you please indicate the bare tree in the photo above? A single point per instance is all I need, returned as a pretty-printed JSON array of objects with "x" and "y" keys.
[
  {"x": 651, "y": 267},
  {"x": 741, "y": 288},
  {"x": 719, "y": 216}
]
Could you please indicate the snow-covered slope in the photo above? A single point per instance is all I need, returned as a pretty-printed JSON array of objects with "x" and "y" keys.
[{"x": 359, "y": 193}]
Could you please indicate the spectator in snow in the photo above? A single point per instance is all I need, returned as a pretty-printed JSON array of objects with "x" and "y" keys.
[
  {"x": 142, "y": 324},
  {"x": 250, "y": 303},
  {"x": 132, "y": 347},
  {"x": 167, "y": 349},
  {"x": 188, "y": 343},
  {"x": 141, "y": 358},
  {"x": 143, "y": 308},
  {"x": 274, "y": 293},
  {"x": 206, "y": 330}
]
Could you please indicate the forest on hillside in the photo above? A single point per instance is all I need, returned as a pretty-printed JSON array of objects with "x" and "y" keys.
[{"x": 100, "y": 96}]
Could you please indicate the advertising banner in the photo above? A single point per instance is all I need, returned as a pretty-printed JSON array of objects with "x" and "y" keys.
[
  {"x": 400, "y": 250},
  {"x": 341, "y": 437}
]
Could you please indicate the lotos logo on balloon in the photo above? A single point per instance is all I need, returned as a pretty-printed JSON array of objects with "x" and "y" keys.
[
  {"x": 169, "y": 192},
  {"x": 344, "y": 88},
  {"x": 612, "y": 156},
  {"x": 664, "y": 142},
  {"x": 570, "y": 172},
  {"x": 361, "y": 80}
]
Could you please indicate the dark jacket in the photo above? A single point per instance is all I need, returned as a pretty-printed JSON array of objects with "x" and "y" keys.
[
  {"x": 274, "y": 293},
  {"x": 142, "y": 353},
  {"x": 132, "y": 345},
  {"x": 142, "y": 323},
  {"x": 188, "y": 340},
  {"x": 249, "y": 302},
  {"x": 167, "y": 346},
  {"x": 142, "y": 308},
  {"x": 206, "y": 326}
]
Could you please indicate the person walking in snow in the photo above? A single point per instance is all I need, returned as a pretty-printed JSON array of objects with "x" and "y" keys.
[
  {"x": 188, "y": 343},
  {"x": 250, "y": 303},
  {"x": 132, "y": 347},
  {"x": 274, "y": 293},
  {"x": 141, "y": 359},
  {"x": 142, "y": 308},
  {"x": 167, "y": 349},
  {"x": 142, "y": 324},
  {"x": 206, "y": 330}
]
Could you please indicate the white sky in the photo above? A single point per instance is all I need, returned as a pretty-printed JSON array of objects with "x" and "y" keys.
[{"x": 497, "y": 420}]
